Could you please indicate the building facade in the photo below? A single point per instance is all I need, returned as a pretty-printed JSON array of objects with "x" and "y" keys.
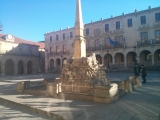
[
  {"x": 18, "y": 56},
  {"x": 119, "y": 42}
]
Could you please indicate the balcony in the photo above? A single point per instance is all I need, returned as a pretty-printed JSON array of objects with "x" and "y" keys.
[{"x": 148, "y": 42}]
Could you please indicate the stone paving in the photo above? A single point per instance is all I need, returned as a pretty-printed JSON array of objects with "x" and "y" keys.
[{"x": 141, "y": 104}]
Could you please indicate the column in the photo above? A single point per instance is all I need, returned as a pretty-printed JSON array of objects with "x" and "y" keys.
[
  {"x": 3, "y": 69},
  {"x": 114, "y": 61},
  {"x": 138, "y": 59},
  {"x": 152, "y": 59},
  {"x": 46, "y": 64},
  {"x": 25, "y": 68},
  {"x": 103, "y": 60},
  {"x": 125, "y": 61},
  {"x": 15, "y": 69}
]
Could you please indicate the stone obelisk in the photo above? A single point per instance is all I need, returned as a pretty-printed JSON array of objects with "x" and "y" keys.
[{"x": 79, "y": 41}]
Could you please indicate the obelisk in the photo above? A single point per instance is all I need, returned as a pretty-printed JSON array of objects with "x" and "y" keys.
[{"x": 79, "y": 41}]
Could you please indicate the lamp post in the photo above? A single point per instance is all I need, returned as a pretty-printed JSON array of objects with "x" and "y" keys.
[
  {"x": 135, "y": 55},
  {"x": 108, "y": 59},
  {"x": 62, "y": 60}
]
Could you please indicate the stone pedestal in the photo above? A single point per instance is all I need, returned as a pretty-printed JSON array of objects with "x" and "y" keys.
[
  {"x": 52, "y": 90},
  {"x": 106, "y": 93},
  {"x": 20, "y": 87}
]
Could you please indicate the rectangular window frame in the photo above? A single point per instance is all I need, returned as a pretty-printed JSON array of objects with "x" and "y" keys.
[
  {"x": 57, "y": 49},
  {"x": 71, "y": 34},
  {"x": 87, "y": 31},
  {"x": 157, "y": 17},
  {"x": 50, "y": 38},
  {"x": 106, "y": 27},
  {"x": 57, "y": 37},
  {"x": 143, "y": 20},
  {"x": 118, "y": 25},
  {"x": 63, "y": 36},
  {"x": 157, "y": 35},
  {"x": 144, "y": 36},
  {"x": 129, "y": 21}
]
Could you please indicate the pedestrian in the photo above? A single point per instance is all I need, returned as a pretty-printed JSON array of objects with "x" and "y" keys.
[
  {"x": 144, "y": 74},
  {"x": 136, "y": 70}
]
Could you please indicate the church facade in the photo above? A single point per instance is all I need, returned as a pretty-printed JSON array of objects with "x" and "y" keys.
[
  {"x": 18, "y": 56},
  {"x": 118, "y": 42}
]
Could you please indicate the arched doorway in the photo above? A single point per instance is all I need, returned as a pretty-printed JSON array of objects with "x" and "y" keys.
[
  {"x": 29, "y": 67},
  {"x": 9, "y": 67},
  {"x": 108, "y": 60},
  {"x": 58, "y": 63},
  {"x": 119, "y": 60},
  {"x": 99, "y": 59},
  {"x": 131, "y": 59},
  {"x": 20, "y": 68},
  {"x": 146, "y": 58},
  {"x": 157, "y": 57}
]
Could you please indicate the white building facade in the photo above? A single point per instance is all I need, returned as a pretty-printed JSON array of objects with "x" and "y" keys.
[{"x": 119, "y": 42}]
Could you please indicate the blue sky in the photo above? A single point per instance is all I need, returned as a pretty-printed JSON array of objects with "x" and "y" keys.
[{"x": 30, "y": 19}]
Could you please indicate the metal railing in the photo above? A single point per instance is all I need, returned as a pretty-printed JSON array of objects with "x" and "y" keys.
[{"x": 148, "y": 42}]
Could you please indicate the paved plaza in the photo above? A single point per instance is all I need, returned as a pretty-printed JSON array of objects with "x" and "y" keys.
[{"x": 142, "y": 104}]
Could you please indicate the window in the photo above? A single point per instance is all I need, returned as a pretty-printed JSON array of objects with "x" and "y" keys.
[
  {"x": 129, "y": 22},
  {"x": 20, "y": 51},
  {"x": 57, "y": 49},
  {"x": 64, "y": 48},
  {"x": 71, "y": 34},
  {"x": 157, "y": 17},
  {"x": 50, "y": 38},
  {"x": 143, "y": 20},
  {"x": 157, "y": 34},
  {"x": 106, "y": 41},
  {"x": 87, "y": 44},
  {"x": 96, "y": 43},
  {"x": 144, "y": 36},
  {"x": 51, "y": 50},
  {"x": 106, "y": 27},
  {"x": 118, "y": 25},
  {"x": 87, "y": 31},
  {"x": 63, "y": 36},
  {"x": 119, "y": 39},
  {"x": 57, "y": 37}
]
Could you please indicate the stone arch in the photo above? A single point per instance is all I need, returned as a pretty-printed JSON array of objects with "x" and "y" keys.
[
  {"x": 107, "y": 60},
  {"x": 146, "y": 58},
  {"x": 157, "y": 57},
  {"x": 9, "y": 67},
  {"x": 29, "y": 67},
  {"x": 99, "y": 59},
  {"x": 119, "y": 60},
  {"x": 20, "y": 67},
  {"x": 131, "y": 59},
  {"x": 58, "y": 63}
]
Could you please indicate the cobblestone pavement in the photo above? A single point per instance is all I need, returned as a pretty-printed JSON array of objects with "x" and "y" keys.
[
  {"x": 10, "y": 112},
  {"x": 141, "y": 104}
]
